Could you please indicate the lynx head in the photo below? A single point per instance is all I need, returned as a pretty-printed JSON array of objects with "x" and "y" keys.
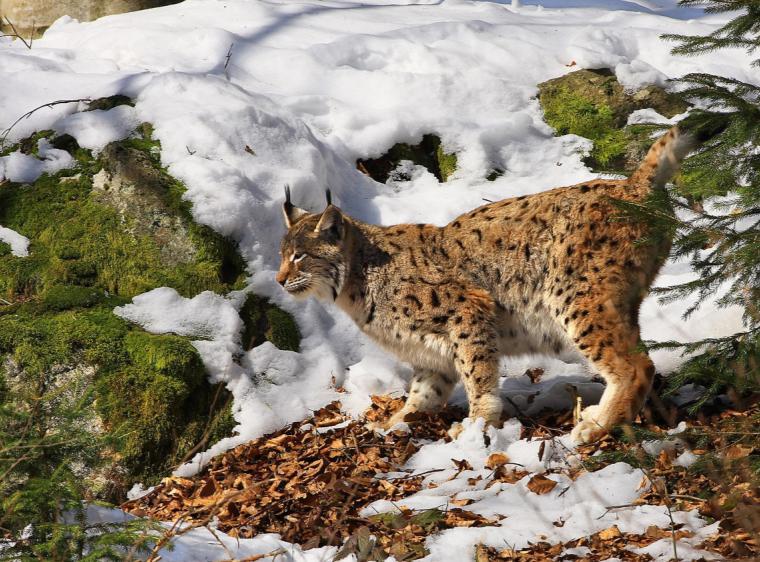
[{"x": 313, "y": 251}]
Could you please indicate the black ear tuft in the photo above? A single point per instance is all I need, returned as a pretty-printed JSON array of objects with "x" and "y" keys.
[
  {"x": 287, "y": 206},
  {"x": 328, "y": 196},
  {"x": 290, "y": 212}
]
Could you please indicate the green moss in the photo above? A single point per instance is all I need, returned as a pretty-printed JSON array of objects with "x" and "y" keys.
[
  {"x": 265, "y": 321},
  {"x": 570, "y": 112},
  {"x": 168, "y": 354},
  {"x": 86, "y": 257},
  {"x": 29, "y": 144},
  {"x": 65, "y": 297},
  {"x": 429, "y": 153},
  {"x": 151, "y": 390},
  {"x": 592, "y": 104},
  {"x": 77, "y": 240},
  {"x": 447, "y": 163},
  {"x": 283, "y": 331},
  {"x": 5, "y": 249}
]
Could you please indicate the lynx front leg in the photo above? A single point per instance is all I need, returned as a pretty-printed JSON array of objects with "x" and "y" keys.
[
  {"x": 475, "y": 359},
  {"x": 428, "y": 391}
]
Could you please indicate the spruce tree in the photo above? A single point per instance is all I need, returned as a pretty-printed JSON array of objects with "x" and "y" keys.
[
  {"x": 45, "y": 444},
  {"x": 717, "y": 225}
]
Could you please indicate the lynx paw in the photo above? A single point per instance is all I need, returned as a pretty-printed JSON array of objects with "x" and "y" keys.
[
  {"x": 455, "y": 430},
  {"x": 590, "y": 413},
  {"x": 376, "y": 426},
  {"x": 388, "y": 424},
  {"x": 587, "y": 431}
]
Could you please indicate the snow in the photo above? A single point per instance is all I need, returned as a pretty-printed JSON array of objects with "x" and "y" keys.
[
  {"x": 25, "y": 168},
  {"x": 574, "y": 508},
  {"x": 95, "y": 129},
  {"x": 662, "y": 549},
  {"x": 206, "y": 544},
  {"x": 19, "y": 244},
  {"x": 310, "y": 87}
]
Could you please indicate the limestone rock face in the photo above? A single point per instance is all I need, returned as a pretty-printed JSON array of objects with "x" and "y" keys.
[
  {"x": 130, "y": 183},
  {"x": 40, "y": 14}
]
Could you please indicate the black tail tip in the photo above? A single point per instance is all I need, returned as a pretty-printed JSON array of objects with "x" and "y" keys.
[{"x": 703, "y": 126}]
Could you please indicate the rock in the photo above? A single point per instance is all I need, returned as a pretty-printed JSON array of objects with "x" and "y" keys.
[
  {"x": 37, "y": 15},
  {"x": 130, "y": 183},
  {"x": 593, "y": 104},
  {"x": 109, "y": 102}
]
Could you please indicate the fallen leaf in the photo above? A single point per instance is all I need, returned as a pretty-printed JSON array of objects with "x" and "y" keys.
[
  {"x": 654, "y": 532},
  {"x": 496, "y": 460},
  {"x": 541, "y": 485},
  {"x": 461, "y": 502},
  {"x": 534, "y": 374},
  {"x": 738, "y": 451},
  {"x": 610, "y": 533}
]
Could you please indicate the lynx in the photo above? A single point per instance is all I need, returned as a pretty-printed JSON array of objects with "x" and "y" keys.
[{"x": 547, "y": 273}]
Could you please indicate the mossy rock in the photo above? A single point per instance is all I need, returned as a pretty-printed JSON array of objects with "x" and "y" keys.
[
  {"x": 265, "y": 321},
  {"x": 429, "y": 153},
  {"x": 109, "y": 102},
  {"x": 594, "y": 105},
  {"x": 117, "y": 222},
  {"x": 98, "y": 236}
]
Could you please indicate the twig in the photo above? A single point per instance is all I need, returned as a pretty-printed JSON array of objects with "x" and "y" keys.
[
  {"x": 174, "y": 531},
  {"x": 17, "y": 35},
  {"x": 685, "y": 497},
  {"x": 227, "y": 59},
  {"x": 256, "y": 557},
  {"x": 410, "y": 476},
  {"x": 224, "y": 546},
  {"x": 28, "y": 114},
  {"x": 662, "y": 491},
  {"x": 207, "y": 430},
  {"x": 611, "y": 507}
]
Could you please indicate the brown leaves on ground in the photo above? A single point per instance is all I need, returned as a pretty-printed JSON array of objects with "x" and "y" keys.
[
  {"x": 601, "y": 546},
  {"x": 308, "y": 482},
  {"x": 723, "y": 484}
]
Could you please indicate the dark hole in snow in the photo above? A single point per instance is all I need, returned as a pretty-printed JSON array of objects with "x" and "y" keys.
[{"x": 428, "y": 153}]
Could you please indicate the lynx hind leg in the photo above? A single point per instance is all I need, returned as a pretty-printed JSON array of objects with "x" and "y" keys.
[
  {"x": 476, "y": 361},
  {"x": 428, "y": 392},
  {"x": 610, "y": 343}
]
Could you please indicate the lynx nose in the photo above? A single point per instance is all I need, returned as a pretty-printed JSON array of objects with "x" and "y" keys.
[{"x": 282, "y": 278}]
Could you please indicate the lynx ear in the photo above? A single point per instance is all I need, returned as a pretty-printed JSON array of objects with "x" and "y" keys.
[
  {"x": 331, "y": 220},
  {"x": 291, "y": 213}
]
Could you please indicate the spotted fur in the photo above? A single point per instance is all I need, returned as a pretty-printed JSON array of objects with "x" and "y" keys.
[{"x": 554, "y": 272}]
